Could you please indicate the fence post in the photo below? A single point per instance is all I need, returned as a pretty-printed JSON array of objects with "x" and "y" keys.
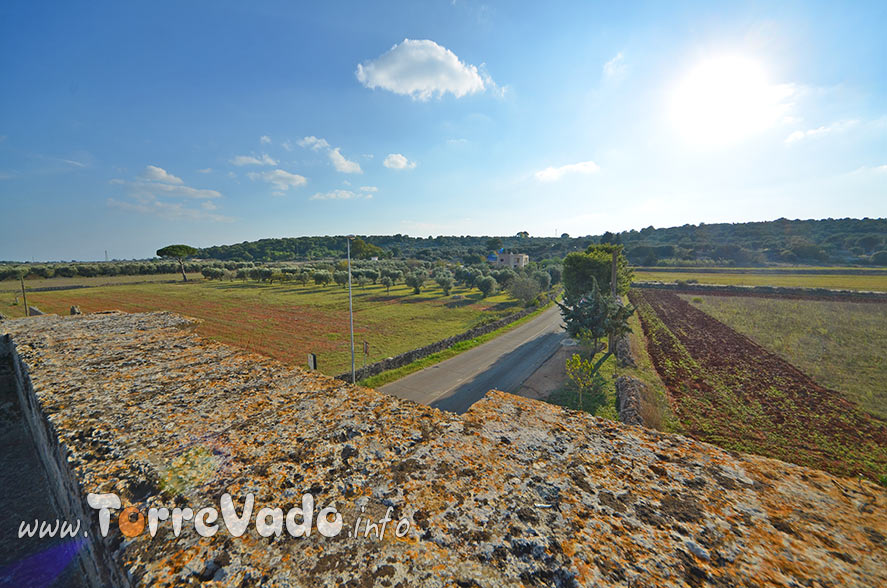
[{"x": 24, "y": 296}]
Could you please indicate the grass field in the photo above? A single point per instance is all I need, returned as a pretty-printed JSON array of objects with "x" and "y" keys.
[
  {"x": 289, "y": 321},
  {"x": 14, "y": 286},
  {"x": 839, "y": 344},
  {"x": 865, "y": 281}
]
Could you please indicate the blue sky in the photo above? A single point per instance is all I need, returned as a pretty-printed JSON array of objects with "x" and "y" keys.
[{"x": 125, "y": 126}]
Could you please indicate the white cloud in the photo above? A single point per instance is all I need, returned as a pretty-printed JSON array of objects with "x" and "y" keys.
[
  {"x": 206, "y": 170},
  {"x": 553, "y": 174},
  {"x": 176, "y": 190},
  {"x": 265, "y": 140},
  {"x": 314, "y": 143},
  {"x": 158, "y": 174},
  {"x": 159, "y": 193},
  {"x": 156, "y": 180},
  {"x": 148, "y": 204},
  {"x": 398, "y": 161},
  {"x": 241, "y": 160},
  {"x": 342, "y": 164},
  {"x": 280, "y": 179},
  {"x": 339, "y": 195},
  {"x": 837, "y": 127},
  {"x": 369, "y": 189},
  {"x": 288, "y": 145},
  {"x": 420, "y": 69},
  {"x": 73, "y": 162},
  {"x": 615, "y": 68},
  {"x": 866, "y": 169}
]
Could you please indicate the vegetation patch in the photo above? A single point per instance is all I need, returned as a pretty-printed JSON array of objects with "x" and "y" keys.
[
  {"x": 872, "y": 281},
  {"x": 288, "y": 321},
  {"x": 839, "y": 344},
  {"x": 727, "y": 390}
]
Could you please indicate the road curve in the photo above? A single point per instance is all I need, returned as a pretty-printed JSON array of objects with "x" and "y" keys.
[{"x": 502, "y": 364}]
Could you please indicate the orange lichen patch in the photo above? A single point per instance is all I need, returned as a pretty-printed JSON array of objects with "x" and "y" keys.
[{"x": 515, "y": 492}]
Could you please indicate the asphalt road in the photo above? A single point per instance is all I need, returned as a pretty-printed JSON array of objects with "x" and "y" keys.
[{"x": 501, "y": 364}]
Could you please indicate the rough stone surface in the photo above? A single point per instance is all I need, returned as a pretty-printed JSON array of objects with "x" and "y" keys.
[
  {"x": 515, "y": 492},
  {"x": 629, "y": 392},
  {"x": 623, "y": 352}
]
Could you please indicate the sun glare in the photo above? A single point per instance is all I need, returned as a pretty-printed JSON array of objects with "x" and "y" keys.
[{"x": 724, "y": 100}]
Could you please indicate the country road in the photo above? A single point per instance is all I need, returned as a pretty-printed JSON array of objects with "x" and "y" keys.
[{"x": 502, "y": 364}]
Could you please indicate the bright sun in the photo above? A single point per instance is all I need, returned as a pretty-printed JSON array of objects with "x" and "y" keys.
[{"x": 724, "y": 100}]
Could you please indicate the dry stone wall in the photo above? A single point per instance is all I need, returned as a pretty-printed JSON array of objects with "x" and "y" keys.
[{"x": 515, "y": 492}]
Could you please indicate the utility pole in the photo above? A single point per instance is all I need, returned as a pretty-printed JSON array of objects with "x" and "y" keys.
[
  {"x": 611, "y": 338},
  {"x": 351, "y": 309},
  {"x": 24, "y": 296}
]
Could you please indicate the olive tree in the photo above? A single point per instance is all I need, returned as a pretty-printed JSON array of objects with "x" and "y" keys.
[{"x": 487, "y": 285}]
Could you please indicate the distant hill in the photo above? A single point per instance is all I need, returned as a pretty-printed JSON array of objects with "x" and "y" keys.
[{"x": 830, "y": 241}]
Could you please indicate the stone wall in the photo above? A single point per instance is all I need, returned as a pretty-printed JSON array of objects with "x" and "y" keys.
[
  {"x": 629, "y": 392},
  {"x": 767, "y": 291},
  {"x": 66, "y": 495},
  {"x": 512, "y": 493}
]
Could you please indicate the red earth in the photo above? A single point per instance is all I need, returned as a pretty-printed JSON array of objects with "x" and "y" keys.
[{"x": 728, "y": 390}]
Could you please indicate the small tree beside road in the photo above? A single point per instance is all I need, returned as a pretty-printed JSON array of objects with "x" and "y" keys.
[
  {"x": 524, "y": 289},
  {"x": 593, "y": 316}
]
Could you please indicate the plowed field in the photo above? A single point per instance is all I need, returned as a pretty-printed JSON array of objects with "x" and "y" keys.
[{"x": 726, "y": 389}]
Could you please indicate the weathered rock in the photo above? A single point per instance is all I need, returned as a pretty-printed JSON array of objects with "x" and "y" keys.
[
  {"x": 75, "y": 310},
  {"x": 34, "y": 311},
  {"x": 514, "y": 492},
  {"x": 629, "y": 392}
]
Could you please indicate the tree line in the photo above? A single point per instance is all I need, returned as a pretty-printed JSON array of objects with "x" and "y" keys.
[{"x": 834, "y": 241}]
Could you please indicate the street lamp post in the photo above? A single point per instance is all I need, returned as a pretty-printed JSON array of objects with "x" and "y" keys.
[{"x": 351, "y": 309}]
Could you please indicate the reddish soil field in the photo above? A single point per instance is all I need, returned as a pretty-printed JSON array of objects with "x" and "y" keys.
[
  {"x": 728, "y": 390},
  {"x": 284, "y": 333}
]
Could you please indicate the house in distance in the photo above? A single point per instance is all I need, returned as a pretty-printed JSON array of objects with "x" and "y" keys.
[{"x": 511, "y": 260}]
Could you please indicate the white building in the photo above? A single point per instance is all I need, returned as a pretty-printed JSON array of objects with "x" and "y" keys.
[{"x": 512, "y": 260}]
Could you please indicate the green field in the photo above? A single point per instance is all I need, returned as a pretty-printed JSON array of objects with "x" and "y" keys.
[
  {"x": 289, "y": 321},
  {"x": 838, "y": 344},
  {"x": 14, "y": 286},
  {"x": 871, "y": 280}
]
